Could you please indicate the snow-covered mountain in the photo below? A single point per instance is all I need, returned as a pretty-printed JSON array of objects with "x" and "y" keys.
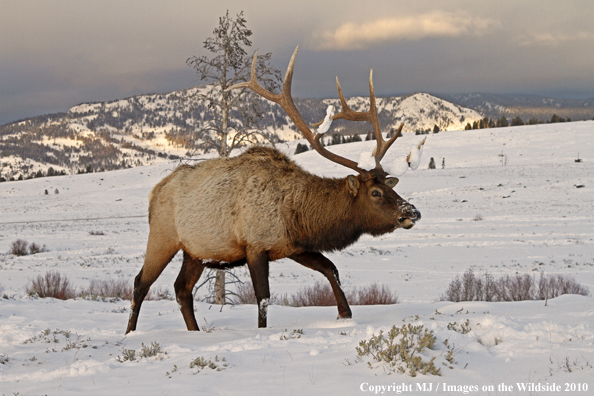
[
  {"x": 147, "y": 129},
  {"x": 419, "y": 112}
]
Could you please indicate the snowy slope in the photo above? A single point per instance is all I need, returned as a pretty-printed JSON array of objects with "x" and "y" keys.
[{"x": 522, "y": 181}]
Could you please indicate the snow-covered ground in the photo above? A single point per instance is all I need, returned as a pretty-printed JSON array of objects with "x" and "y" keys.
[{"x": 507, "y": 202}]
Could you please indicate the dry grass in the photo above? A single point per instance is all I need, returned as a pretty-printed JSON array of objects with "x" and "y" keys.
[
  {"x": 56, "y": 285},
  {"x": 244, "y": 294},
  {"x": 320, "y": 295},
  {"x": 108, "y": 288}
]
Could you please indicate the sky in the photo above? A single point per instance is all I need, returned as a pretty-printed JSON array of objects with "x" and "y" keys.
[{"x": 55, "y": 54}]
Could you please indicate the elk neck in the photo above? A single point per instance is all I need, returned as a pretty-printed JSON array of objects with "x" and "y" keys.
[{"x": 322, "y": 215}]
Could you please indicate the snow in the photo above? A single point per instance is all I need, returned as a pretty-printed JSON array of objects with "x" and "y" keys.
[
  {"x": 414, "y": 158},
  {"x": 327, "y": 120},
  {"x": 522, "y": 181}
]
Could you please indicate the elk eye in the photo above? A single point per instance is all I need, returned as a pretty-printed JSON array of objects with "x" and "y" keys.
[{"x": 376, "y": 193}]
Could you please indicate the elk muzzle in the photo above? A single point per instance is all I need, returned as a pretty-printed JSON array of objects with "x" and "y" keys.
[{"x": 409, "y": 216}]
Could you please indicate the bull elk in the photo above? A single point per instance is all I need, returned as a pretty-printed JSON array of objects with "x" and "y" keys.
[{"x": 260, "y": 206}]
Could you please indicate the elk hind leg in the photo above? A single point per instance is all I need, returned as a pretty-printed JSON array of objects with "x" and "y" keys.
[
  {"x": 258, "y": 265},
  {"x": 158, "y": 255},
  {"x": 187, "y": 278},
  {"x": 320, "y": 263}
]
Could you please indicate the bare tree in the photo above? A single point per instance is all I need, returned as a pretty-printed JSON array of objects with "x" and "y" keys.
[{"x": 232, "y": 118}]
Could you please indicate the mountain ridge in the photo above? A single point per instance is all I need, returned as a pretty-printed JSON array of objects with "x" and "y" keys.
[{"x": 150, "y": 128}]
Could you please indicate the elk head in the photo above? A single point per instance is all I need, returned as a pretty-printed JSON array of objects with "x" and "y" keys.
[{"x": 378, "y": 205}]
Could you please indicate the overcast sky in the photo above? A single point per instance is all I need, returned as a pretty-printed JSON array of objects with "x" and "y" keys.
[{"x": 56, "y": 54}]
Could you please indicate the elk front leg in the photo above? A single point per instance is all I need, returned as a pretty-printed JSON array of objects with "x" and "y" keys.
[
  {"x": 188, "y": 276},
  {"x": 158, "y": 255},
  {"x": 320, "y": 263},
  {"x": 258, "y": 265}
]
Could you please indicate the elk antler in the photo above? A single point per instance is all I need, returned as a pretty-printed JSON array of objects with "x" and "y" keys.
[
  {"x": 285, "y": 100},
  {"x": 371, "y": 117}
]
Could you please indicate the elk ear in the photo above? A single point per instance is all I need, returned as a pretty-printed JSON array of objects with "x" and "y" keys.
[
  {"x": 353, "y": 184},
  {"x": 392, "y": 181}
]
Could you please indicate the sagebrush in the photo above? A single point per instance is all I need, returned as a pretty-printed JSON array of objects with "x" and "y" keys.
[{"x": 400, "y": 350}]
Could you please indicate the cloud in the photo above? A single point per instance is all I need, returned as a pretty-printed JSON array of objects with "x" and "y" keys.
[
  {"x": 350, "y": 36},
  {"x": 555, "y": 39}
]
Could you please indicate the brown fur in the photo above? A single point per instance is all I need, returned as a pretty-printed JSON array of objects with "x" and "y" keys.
[{"x": 259, "y": 207}]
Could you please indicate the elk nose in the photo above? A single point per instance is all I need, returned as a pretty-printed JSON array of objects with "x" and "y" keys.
[{"x": 413, "y": 216}]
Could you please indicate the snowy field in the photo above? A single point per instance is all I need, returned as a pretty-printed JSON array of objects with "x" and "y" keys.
[{"x": 509, "y": 201}]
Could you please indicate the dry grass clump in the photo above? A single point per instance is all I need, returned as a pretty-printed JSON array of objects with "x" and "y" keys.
[
  {"x": 320, "y": 295},
  {"x": 100, "y": 289},
  {"x": 244, "y": 294},
  {"x": 108, "y": 288},
  {"x": 510, "y": 288}
]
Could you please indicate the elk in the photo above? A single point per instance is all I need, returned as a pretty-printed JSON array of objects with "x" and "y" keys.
[{"x": 260, "y": 206}]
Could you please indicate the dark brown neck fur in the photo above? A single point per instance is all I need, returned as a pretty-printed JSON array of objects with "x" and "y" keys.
[{"x": 322, "y": 216}]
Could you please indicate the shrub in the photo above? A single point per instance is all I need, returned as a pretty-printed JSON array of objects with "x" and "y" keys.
[
  {"x": 516, "y": 288},
  {"x": 22, "y": 248},
  {"x": 244, "y": 294},
  {"x": 319, "y": 295},
  {"x": 108, "y": 288},
  {"x": 53, "y": 284},
  {"x": 556, "y": 285},
  {"x": 400, "y": 350},
  {"x": 145, "y": 352},
  {"x": 301, "y": 148},
  {"x": 19, "y": 248},
  {"x": 373, "y": 294},
  {"x": 202, "y": 363},
  {"x": 111, "y": 288},
  {"x": 510, "y": 288},
  {"x": 35, "y": 248}
]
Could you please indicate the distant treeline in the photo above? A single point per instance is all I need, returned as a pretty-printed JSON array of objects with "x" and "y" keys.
[{"x": 487, "y": 122}]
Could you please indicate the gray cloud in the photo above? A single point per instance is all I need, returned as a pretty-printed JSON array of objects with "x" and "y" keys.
[
  {"x": 349, "y": 36},
  {"x": 57, "y": 53}
]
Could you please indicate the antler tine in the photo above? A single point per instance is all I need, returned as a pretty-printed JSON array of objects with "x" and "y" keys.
[
  {"x": 371, "y": 116},
  {"x": 254, "y": 85},
  {"x": 285, "y": 100}
]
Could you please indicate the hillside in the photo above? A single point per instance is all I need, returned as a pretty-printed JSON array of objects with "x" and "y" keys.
[
  {"x": 148, "y": 129},
  {"x": 525, "y": 106},
  {"x": 509, "y": 201}
]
